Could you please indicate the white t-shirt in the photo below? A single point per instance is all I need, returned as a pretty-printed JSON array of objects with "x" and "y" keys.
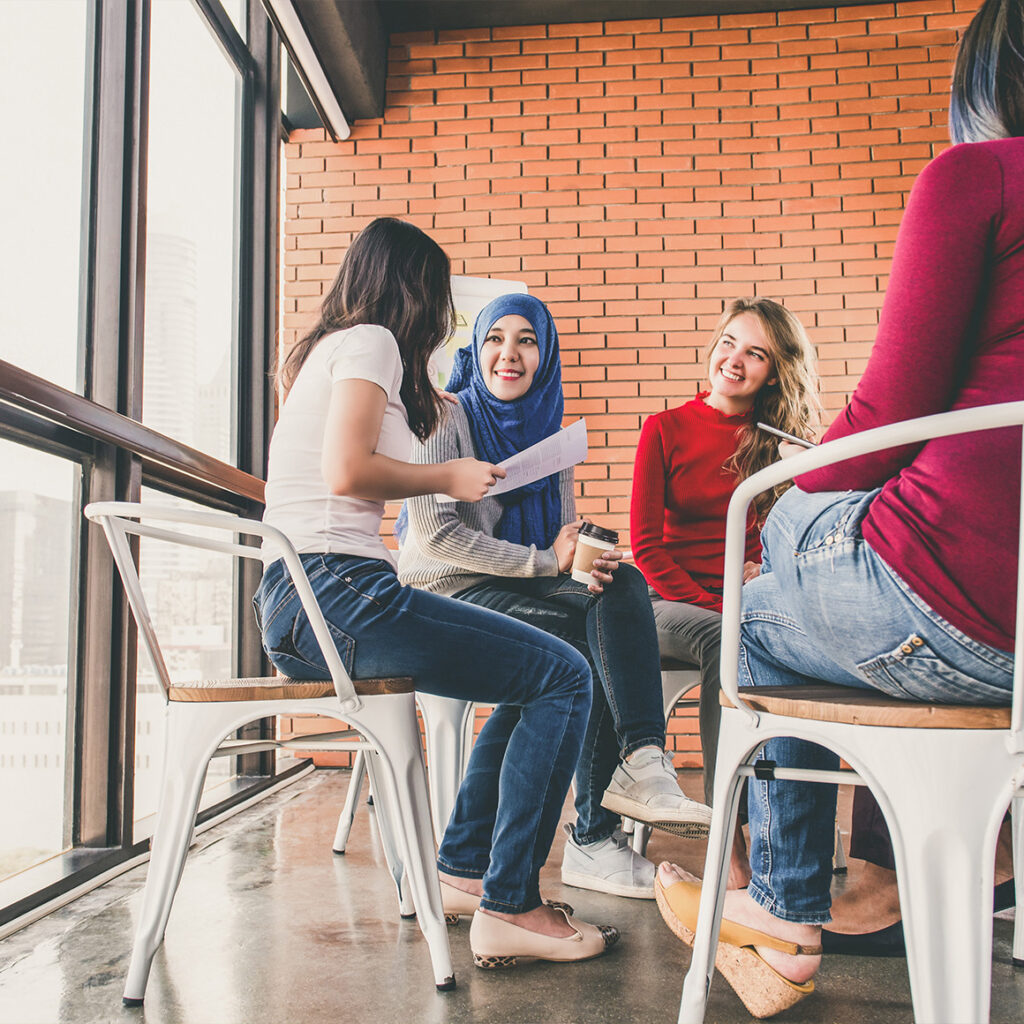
[{"x": 298, "y": 501}]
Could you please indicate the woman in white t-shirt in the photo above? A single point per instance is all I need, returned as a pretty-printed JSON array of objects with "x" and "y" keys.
[{"x": 358, "y": 392}]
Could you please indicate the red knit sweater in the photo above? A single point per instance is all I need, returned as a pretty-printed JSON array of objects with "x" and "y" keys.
[{"x": 680, "y": 495}]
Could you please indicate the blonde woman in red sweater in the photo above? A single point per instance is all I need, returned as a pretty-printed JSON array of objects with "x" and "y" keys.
[{"x": 689, "y": 459}]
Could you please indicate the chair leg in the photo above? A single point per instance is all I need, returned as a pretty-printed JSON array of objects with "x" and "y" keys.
[
  {"x": 446, "y": 722},
  {"x": 190, "y": 745},
  {"x": 348, "y": 813},
  {"x": 641, "y": 837},
  {"x": 944, "y": 837},
  {"x": 468, "y": 737},
  {"x": 400, "y": 776},
  {"x": 732, "y": 751},
  {"x": 1017, "y": 831},
  {"x": 390, "y": 835}
]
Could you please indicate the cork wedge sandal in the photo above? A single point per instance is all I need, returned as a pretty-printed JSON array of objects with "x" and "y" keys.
[{"x": 763, "y": 991}]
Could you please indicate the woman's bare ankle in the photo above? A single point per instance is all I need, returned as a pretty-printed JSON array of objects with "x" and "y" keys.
[
  {"x": 739, "y": 863},
  {"x": 742, "y": 908},
  {"x": 868, "y": 902},
  {"x": 474, "y": 886},
  {"x": 544, "y": 920}
]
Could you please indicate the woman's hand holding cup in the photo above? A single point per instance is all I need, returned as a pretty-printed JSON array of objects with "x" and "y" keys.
[
  {"x": 596, "y": 556},
  {"x": 565, "y": 544},
  {"x": 602, "y": 568}
]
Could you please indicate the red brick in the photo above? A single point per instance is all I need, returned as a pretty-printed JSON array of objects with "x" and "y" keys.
[
  {"x": 497, "y": 48},
  {"x": 520, "y": 62},
  {"x": 551, "y": 46},
  {"x": 804, "y": 157}
]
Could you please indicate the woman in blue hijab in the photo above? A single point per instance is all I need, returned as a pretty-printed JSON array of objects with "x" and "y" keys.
[{"x": 512, "y": 553}]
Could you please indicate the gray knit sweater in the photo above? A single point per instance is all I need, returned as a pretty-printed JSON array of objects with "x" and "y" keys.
[{"x": 451, "y": 546}]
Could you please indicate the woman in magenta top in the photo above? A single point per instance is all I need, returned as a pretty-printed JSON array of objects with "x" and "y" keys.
[{"x": 915, "y": 596}]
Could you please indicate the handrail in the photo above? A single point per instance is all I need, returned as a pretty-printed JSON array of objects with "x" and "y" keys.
[
  {"x": 924, "y": 428},
  {"x": 44, "y": 398}
]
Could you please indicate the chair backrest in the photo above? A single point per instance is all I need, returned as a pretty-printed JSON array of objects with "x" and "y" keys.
[
  {"x": 961, "y": 421},
  {"x": 120, "y": 518}
]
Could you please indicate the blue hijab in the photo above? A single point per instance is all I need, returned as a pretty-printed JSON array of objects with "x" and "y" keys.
[{"x": 532, "y": 514}]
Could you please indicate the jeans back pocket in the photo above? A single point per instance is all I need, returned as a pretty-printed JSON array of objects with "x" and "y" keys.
[{"x": 914, "y": 670}]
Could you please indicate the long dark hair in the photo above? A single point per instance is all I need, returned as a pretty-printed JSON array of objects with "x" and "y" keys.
[
  {"x": 396, "y": 276},
  {"x": 790, "y": 403},
  {"x": 987, "y": 99}
]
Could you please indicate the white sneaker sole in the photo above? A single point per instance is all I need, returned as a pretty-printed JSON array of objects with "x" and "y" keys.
[
  {"x": 581, "y": 880},
  {"x": 696, "y": 826}
]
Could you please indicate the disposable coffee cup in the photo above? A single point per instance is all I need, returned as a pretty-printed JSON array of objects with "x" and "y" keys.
[{"x": 592, "y": 542}]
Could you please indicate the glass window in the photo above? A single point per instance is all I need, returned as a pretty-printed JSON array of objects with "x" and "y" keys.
[
  {"x": 191, "y": 233},
  {"x": 236, "y": 12},
  {"x": 42, "y": 82},
  {"x": 38, "y": 517},
  {"x": 190, "y": 595}
]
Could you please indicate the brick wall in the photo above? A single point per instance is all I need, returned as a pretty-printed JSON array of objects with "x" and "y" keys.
[{"x": 639, "y": 174}]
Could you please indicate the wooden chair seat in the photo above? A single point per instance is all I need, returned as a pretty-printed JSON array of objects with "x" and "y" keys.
[
  {"x": 868, "y": 707},
  {"x": 279, "y": 688}
]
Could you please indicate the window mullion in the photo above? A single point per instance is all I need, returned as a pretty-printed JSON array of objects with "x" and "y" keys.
[{"x": 113, "y": 338}]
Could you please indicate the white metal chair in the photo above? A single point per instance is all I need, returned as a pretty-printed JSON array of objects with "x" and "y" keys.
[
  {"x": 201, "y": 714},
  {"x": 448, "y": 729},
  {"x": 944, "y": 825},
  {"x": 448, "y": 732},
  {"x": 677, "y": 679}
]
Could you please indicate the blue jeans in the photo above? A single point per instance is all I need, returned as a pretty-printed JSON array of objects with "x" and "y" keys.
[
  {"x": 827, "y": 608},
  {"x": 615, "y": 632},
  {"x": 510, "y": 802}
]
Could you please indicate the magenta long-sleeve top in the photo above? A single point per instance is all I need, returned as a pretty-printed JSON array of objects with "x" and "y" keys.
[{"x": 951, "y": 336}]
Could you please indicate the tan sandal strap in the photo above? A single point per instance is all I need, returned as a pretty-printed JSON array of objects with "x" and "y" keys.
[
  {"x": 684, "y": 900},
  {"x": 741, "y": 935}
]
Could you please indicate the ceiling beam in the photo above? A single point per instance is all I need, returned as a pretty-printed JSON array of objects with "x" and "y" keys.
[
  {"x": 351, "y": 41},
  {"x": 423, "y": 15}
]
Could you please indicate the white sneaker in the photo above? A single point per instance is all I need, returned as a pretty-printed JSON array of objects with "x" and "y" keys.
[
  {"x": 610, "y": 865},
  {"x": 647, "y": 789}
]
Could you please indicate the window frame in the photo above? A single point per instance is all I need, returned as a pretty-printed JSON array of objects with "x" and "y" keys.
[{"x": 101, "y": 429}]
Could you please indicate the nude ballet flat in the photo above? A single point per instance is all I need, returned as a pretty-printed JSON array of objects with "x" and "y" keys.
[
  {"x": 457, "y": 903},
  {"x": 762, "y": 989},
  {"x": 497, "y": 943}
]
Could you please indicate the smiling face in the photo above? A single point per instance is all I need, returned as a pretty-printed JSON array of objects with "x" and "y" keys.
[
  {"x": 509, "y": 357},
  {"x": 740, "y": 365}
]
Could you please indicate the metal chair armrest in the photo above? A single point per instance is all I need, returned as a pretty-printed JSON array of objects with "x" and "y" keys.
[
  {"x": 924, "y": 428},
  {"x": 122, "y": 517}
]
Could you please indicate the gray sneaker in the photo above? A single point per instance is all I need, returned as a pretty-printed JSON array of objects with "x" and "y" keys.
[
  {"x": 647, "y": 790},
  {"x": 610, "y": 865}
]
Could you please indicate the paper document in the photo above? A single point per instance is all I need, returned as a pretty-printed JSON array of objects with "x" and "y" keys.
[{"x": 559, "y": 451}]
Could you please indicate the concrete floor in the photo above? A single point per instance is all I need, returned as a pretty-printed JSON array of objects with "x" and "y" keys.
[{"x": 269, "y": 926}]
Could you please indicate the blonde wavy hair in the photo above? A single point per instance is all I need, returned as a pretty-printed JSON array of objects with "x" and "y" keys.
[{"x": 790, "y": 403}]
